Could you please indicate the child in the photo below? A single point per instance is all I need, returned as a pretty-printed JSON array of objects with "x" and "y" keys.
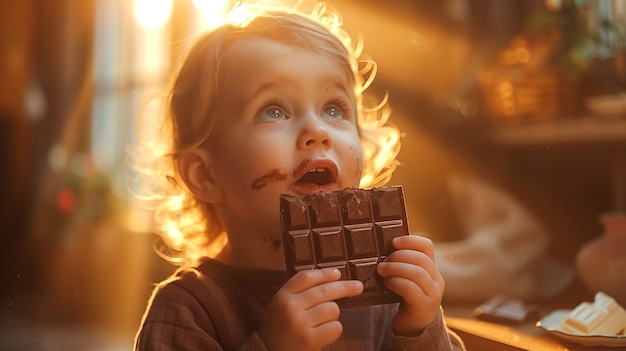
[{"x": 274, "y": 105}]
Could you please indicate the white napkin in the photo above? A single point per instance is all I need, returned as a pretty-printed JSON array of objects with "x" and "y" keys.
[{"x": 504, "y": 249}]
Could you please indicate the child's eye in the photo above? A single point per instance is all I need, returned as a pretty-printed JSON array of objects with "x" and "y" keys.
[
  {"x": 272, "y": 114},
  {"x": 333, "y": 112},
  {"x": 337, "y": 110}
]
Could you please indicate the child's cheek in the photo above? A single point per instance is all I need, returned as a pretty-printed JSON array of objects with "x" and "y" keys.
[{"x": 358, "y": 162}]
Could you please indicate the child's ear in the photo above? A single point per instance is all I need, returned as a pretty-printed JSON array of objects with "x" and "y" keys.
[{"x": 196, "y": 169}]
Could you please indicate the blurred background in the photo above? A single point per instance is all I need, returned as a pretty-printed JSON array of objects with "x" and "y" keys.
[{"x": 525, "y": 95}]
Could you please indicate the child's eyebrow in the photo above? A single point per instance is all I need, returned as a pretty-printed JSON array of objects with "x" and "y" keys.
[
  {"x": 249, "y": 97},
  {"x": 343, "y": 86},
  {"x": 264, "y": 87},
  {"x": 330, "y": 83}
]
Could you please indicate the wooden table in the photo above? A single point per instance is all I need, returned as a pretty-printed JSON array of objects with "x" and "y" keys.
[
  {"x": 480, "y": 335},
  {"x": 487, "y": 336}
]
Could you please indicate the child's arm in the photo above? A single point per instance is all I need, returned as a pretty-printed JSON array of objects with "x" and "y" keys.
[
  {"x": 303, "y": 315},
  {"x": 411, "y": 272}
]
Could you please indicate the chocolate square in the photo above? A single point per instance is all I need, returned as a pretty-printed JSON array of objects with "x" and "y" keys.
[{"x": 349, "y": 229}]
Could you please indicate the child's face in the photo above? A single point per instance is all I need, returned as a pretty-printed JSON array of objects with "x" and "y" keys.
[{"x": 287, "y": 125}]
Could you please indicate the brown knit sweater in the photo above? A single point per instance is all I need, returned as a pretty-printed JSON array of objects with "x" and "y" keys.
[{"x": 219, "y": 307}]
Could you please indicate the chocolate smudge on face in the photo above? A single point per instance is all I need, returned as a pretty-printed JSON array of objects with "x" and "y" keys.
[
  {"x": 274, "y": 243},
  {"x": 359, "y": 164},
  {"x": 275, "y": 175},
  {"x": 359, "y": 167},
  {"x": 301, "y": 167}
]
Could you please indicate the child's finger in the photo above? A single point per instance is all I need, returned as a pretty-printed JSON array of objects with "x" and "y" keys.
[
  {"x": 332, "y": 291},
  {"x": 415, "y": 242},
  {"x": 327, "y": 333},
  {"x": 411, "y": 280},
  {"x": 307, "y": 279},
  {"x": 394, "y": 264},
  {"x": 322, "y": 313}
]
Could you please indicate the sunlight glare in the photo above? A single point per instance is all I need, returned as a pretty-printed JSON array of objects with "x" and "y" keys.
[
  {"x": 212, "y": 11},
  {"x": 153, "y": 14}
]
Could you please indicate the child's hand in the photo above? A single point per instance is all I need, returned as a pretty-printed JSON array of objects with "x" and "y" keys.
[
  {"x": 411, "y": 272},
  {"x": 302, "y": 315}
]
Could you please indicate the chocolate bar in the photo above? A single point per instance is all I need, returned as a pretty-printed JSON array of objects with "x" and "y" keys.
[
  {"x": 602, "y": 317},
  {"x": 349, "y": 229},
  {"x": 504, "y": 309}
]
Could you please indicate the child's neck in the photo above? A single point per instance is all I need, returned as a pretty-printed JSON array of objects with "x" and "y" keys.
[{"x": 261, "y": 255}]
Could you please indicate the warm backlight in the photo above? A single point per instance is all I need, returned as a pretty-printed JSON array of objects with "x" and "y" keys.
[{"x": 152, "y": 14}]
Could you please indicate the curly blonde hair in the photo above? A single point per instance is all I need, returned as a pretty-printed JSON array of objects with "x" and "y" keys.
[{"x": 188, "y": 229}]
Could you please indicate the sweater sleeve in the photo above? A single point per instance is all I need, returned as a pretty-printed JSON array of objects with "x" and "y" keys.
[
  {"x": 435, "y": 337},
  {"x": 175, "y": 320}
]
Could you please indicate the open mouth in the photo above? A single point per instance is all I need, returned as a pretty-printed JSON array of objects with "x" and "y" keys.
[{"x": 317, "y": 176}]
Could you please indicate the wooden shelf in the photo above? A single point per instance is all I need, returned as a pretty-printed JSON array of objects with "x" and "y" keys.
[
  {"x": 587, "y": 131},
  {"x": 578, "y": 130}
]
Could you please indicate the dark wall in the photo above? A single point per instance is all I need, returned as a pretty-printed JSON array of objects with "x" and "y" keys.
[{"x": 46, "y": 52}]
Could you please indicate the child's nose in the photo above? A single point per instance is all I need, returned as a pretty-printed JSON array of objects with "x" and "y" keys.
[{"x": 314, "y": 133}]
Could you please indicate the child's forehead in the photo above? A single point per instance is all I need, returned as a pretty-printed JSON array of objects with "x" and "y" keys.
[
  {"x": 265, "y": 59},
  {"x": 263, "y": 43},
  {"x": 259, "y": 50}
]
